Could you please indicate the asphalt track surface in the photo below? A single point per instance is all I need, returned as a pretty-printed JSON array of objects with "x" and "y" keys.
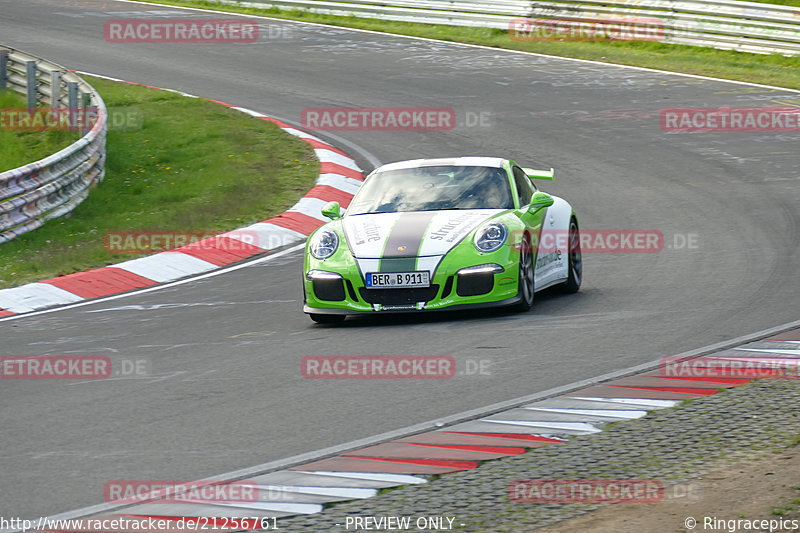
[{"x": 224, "y": 389}]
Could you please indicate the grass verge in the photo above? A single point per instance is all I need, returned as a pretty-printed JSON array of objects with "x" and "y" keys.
[
  {"x": 772, "y": 69},
  {"x": 19, "y": 148},
  {"x": 792, "y": 3},
  {"x": 178, "y": 164}
]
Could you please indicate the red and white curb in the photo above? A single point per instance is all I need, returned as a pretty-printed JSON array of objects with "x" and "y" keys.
[
  {"x": 339, "y": 179},
  {"x": 360, "y": 473}
]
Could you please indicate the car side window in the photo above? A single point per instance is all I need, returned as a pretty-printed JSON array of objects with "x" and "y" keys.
[{"x": 524, "y": 186}]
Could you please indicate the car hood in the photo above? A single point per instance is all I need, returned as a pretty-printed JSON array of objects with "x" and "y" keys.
[{"x": 411, "y": 234}]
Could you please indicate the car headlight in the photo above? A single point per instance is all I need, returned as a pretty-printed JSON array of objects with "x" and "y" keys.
[
  {"x": 491, "y": 237},
  {"x": 324, "y": 244}
]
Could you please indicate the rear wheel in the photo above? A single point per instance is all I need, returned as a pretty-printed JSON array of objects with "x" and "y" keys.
[
  {"x": 525, "y": 274},
  {"x": 326, "y": 319},
  {"x": 575, "y": 260}
]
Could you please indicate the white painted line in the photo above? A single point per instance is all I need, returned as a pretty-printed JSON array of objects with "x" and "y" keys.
[
  {"x": 775, "y": 359},
  {"x": 281, "y": 507},
  {"x": 341, "y": 492},
  {"x": 182, "y": 508},
  {"x": 583, "y": 427},
  {"x": 782, "y": 352},
  {"x": 656, "y": 404},
  {"x": 329, "y": 156},
  {"x": 611, "y": 413},
  {"x": 299, "y": 479},
  {"x": 311, "y": 207},
  {"x": 400, "y": 479},
  {"x": 302, "y": 134},
  {"x": 166, "y": 266},
  {"x": 250, "y": 112},
  {"x": 267, "y": 236},
  {"x": 36, "y": 295},
  {"x": 348, "y": 185}
]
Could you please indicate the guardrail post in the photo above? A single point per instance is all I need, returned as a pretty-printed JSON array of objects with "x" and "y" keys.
[
  {"x": 72, "y": 102},
  {"x": 32, "y": 89},
  {"x": 55, "y": 89},
  {"x": 3, "y": 70},
  {"x": 86, "y": 115}
]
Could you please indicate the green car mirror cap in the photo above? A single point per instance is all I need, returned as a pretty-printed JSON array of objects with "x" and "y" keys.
[
  {"x": 540, "y": 174},
  {"x": 332, "y": 210},
  {"x": 540, "y": 199}
]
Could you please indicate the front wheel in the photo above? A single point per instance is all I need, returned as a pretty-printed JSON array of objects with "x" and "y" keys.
[
  {"x": 326, "y": 319},
  {"x": 575, "y": 260},
  {"x": 525, "y": 274}
]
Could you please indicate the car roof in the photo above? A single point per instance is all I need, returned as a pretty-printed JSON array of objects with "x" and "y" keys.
[{"x": 494, "y": 162}]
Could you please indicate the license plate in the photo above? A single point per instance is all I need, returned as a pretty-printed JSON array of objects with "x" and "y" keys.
[{"x": 398, "y": 280}]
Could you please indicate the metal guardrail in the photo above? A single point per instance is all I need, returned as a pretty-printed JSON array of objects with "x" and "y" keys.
[
  {"x": 51, "y": 187},
  {"x": 724, "y": 24}
]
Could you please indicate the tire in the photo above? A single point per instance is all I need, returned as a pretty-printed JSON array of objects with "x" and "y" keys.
[
  {"x": 327, "y": 319},
  {"x": 575, "y": 260},
  {"x": 526, "y": 287}
]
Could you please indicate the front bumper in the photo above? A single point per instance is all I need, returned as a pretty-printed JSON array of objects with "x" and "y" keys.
[
  {"x": 491, "y": 281},
  {"x": 452, "y": 307}
]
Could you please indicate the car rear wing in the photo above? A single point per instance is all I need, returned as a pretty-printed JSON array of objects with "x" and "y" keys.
[{"x": 540, "y": 174}]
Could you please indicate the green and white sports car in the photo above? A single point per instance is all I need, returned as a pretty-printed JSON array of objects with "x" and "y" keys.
[{"x": 436, "y": 234}]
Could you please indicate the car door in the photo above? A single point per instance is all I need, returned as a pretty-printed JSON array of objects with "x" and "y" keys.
[{"x": 545, "y": 260}]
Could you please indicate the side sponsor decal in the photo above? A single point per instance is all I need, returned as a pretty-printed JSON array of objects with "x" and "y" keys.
[
  {"x": 366, "y": 234},
  {"x": 545, "y": 262}
]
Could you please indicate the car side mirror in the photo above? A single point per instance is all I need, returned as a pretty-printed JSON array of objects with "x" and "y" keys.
[
  {"x": 332, "y": 210},
  {"x": 539, "y": 200}
]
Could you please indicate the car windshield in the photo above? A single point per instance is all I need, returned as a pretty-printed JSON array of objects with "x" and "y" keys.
[{"x": 433, "y": 188}]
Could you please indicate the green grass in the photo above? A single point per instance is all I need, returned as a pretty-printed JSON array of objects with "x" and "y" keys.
[
  {"x": 184, "y": 164},
  {"x": 19, "y": 148},
  {"x": 772, "y": 69},
  {"x": 795, "y": 3}
]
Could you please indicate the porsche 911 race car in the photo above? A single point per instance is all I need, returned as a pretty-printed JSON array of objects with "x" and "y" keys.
[{"x": 436, "y": 234}]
